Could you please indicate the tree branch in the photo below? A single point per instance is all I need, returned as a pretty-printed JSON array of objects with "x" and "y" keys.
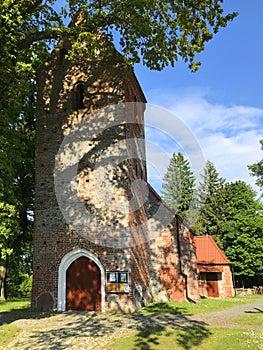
[{"x": 40, "y": 35}]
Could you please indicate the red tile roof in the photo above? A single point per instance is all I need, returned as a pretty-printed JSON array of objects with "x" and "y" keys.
[{"x": 208, "y": 252}]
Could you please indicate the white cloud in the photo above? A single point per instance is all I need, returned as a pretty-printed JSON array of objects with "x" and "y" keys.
[
  {"x": 231, "y": 155},
  {"x": 228, "y": 135}
]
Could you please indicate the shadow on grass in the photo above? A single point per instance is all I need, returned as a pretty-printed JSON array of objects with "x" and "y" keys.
[
  {"x": 163, "y": 308},
  {"x": 62, "y": 330},
  {"x": 154, "y": 328},
  {"x": 186, "y": 338}
]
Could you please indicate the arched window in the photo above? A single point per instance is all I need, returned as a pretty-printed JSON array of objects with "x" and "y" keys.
[
  {"x": 62, "y": 54},
  {"x": 79, "y": 96}
]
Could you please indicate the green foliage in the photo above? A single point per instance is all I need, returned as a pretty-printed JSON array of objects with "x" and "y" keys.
[
  {"x": 154, "y": 32},
  {"x": 242, "y": 233},
  {"x": 9, "y": 229},
  {"x": 25, "y": 286},
  {"x": 178, "y": 185},
  {"x": 234, "y": 217},
  {"x": 19, "y": 279},
  {"x": 257, "y": 170},
  {"x": 17, "y": 124},
  {"x": 230, "y": 212},
  {"x": 210, "y": 198}
]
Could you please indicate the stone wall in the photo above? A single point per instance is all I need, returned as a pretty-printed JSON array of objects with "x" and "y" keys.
[{"x": 173, "y": 265}]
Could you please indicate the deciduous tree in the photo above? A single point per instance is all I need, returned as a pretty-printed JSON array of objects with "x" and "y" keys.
[
  {"x": 9, "y": 231},
  {"x": 156, "y": 33},
  {"x": 17, "y": 189},
  {"x": 242, "y": 233},
  {"x": 257, "y": 170}
]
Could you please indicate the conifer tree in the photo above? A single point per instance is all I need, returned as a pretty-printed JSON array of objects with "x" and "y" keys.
[
  {"x": 179, "y": 185},
  {"x": 210, "y": 197}
]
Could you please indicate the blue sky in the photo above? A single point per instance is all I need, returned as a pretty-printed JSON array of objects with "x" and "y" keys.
[{"x": 221, "y": 104}]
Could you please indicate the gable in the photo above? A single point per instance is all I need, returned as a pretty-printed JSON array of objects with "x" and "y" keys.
[{"x": 208, "y": 252}]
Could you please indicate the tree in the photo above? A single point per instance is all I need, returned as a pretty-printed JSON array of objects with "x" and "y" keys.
[
  {"x": 9, "y": 230},
  {"x": 210, "y": 198},
  {"x": 257, "y": 170},
  {"x": 156, "y": 33},
  {"x": 17, "y": 190},
  {"x": 242, "y": 233},
  {"x": 178, "y": 185}
]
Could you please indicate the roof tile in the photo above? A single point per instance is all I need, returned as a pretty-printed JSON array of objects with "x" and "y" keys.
[{"x": 208, "y": 252}]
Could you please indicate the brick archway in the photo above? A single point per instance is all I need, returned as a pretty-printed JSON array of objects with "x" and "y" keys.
[{"x": 66, "y": 262}]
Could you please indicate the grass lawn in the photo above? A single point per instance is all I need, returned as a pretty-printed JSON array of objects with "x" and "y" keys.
[
  {"x": 255, "y": 319},
  {"x": 7, "y": 333},
  {"x": 199, "y": 337},
  {"x": 205, "y": 305},
  {"x": 14, "y": 304},
  {"x": 202, "y": 338},
  {"x": 11, "y": 310},
  {"x": 191, "y": 338}
]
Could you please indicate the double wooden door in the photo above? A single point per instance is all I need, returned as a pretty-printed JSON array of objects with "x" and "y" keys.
[{"x": 83, "y": 285}]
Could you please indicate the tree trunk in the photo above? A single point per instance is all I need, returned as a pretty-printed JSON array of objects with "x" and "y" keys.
[{"x": 2, "y": 282}]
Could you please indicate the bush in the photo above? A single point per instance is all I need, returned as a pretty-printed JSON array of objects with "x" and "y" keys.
[{"x": 25, "y": 287}]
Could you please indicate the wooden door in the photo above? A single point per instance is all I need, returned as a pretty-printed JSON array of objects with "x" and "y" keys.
[
  {"x": 83, "y": 285},
  {"x": 212, "y": 284}
]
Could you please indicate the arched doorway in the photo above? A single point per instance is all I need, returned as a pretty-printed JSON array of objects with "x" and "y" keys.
[
  {"x": 83, "y": 285},
  {"x": 68, "y": 267}
]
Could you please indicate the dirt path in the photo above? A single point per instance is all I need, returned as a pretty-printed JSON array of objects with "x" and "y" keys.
[
  {"x": 224, "y": 318},
  {"x": 77, "y": 331}
]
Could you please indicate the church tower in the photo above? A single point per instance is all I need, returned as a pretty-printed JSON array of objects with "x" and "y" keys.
[{"x": 92, "y": 249}]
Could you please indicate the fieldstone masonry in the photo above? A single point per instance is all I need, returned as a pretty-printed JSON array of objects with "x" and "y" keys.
[{"x": 90, "y": 157}]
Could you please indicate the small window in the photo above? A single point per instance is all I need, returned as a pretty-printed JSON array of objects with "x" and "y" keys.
[
  {"x": 62, "y": 53},
  {"x": 118, "y": 282},
  {"x": 79, "y": 97}
]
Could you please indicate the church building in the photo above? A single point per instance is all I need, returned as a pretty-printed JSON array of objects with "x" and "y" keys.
[{"x": 103, "y": 238}]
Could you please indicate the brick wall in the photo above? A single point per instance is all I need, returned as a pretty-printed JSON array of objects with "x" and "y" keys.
[
  {"x": 226, "y": 288},
  {"x": 224, "y": 281},
  {"x": 54, "y": 237},
  {"x": 160, "y": 257}
]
